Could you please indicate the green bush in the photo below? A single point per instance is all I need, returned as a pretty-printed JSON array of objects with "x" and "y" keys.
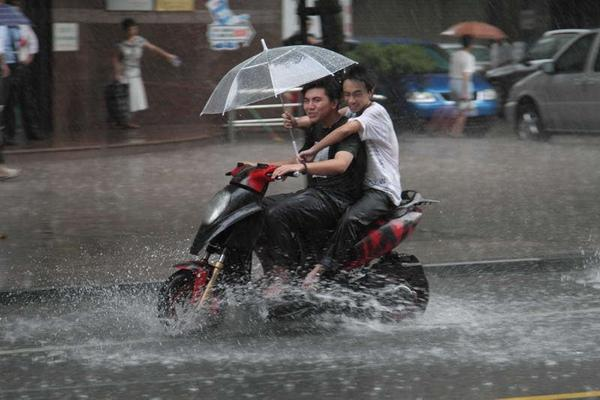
[{"x": 393, "y": 60}]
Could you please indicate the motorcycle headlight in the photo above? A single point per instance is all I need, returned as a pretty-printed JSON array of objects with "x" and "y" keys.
[
  {"x": 487, "y": 94},
  {"x": 420, "y": 97},
  {"x": 215, "y": 207}
]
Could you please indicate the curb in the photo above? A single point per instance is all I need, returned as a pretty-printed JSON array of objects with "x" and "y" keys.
[
  {"x": 133, "y": 143},
  {"x": 551, "y": 264},
  {"x": 563, "y": 263}
]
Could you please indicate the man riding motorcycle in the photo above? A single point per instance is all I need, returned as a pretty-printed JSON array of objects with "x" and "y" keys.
[
  {"x": 382, "y": 188},
  {"x": 335, "y": 177}
]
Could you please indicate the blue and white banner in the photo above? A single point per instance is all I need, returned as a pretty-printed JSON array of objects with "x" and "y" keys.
[{"x": 228, "y": 31}]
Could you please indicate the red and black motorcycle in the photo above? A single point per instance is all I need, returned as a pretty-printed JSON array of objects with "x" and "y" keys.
[{"x": 228, "y": 237}]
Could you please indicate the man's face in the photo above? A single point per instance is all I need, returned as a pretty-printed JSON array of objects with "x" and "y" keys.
[
  {"x": 356, "y": 95},
  {"x": 317, "y": 105}
]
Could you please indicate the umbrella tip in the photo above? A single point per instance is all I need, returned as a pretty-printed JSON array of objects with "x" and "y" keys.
[{"x": 264, "y": 44}]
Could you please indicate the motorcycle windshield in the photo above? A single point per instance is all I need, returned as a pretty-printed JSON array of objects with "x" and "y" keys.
[{"x": 216, "y": 206}]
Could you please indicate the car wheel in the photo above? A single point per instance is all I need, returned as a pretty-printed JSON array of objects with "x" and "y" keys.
[{"x": 529, "y": 123}]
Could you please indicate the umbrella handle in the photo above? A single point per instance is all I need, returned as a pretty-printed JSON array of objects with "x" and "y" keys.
[{"x": 291, "y": 130}]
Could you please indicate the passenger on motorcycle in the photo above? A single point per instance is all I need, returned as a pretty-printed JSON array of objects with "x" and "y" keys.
[
  {"x": 382, "y": 188},
  {"x": 335, "y": 175}
]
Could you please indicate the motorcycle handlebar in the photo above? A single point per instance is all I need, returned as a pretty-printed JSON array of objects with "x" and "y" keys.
[{"x": 295, "y": 174}]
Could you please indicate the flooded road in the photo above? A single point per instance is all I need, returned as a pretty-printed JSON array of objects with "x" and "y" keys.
[{"x": 487, "y": 334}]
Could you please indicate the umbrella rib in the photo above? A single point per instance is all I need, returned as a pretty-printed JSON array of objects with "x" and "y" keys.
[{"x": 267, "y": 62}]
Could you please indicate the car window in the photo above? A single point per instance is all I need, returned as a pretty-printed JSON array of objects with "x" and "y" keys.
[
  {"x": 481, "y": 53},
  {"x": 574, "y": 58},
  {"x": 547, "y": 47},
  {"x": 439, "y": 56}
]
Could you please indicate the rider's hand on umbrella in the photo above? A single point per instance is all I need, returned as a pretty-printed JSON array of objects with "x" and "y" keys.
[
  {"x": 307, "y": 155},
  {"x": 284, "y": 170},
  {"x": 313, "y": 277},
  {"x": 289, "y": 121}
]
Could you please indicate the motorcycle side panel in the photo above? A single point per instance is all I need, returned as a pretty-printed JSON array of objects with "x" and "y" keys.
[{"x": 384, "y": 239}]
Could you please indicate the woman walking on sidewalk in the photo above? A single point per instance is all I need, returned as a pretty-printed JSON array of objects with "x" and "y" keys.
[{"x": 126, "y": 63}]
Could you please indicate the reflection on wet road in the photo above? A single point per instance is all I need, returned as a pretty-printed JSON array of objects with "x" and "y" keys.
[{"x": 484, "y": 335}]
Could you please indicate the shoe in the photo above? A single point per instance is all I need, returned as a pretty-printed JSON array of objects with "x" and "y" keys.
[{"x": 8, "y": 173}]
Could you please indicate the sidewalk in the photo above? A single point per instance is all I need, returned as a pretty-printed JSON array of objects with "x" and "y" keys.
[{"x": 116, "y": 138}]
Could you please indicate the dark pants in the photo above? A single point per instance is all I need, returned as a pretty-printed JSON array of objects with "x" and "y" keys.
[
  {"x": 19, "y": 93},
  {"x": 296, "y": 222},
  {"x": 354, "y": 224},
  {"x": 2, "y": 103}
]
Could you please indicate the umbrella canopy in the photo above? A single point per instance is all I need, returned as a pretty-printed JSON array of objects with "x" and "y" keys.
[
  {"x": 12, "y": 16},
  {"x": 479, "y": 30},
  {"x": 271, "y": 73}
]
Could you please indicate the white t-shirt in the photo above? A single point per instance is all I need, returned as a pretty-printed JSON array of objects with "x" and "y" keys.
[
  {"x": 461, "y": 61},
  {"x": 383, "y": 169}
]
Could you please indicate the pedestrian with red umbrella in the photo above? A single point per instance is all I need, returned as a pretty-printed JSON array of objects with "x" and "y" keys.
[{"x": 462, "y": 67}]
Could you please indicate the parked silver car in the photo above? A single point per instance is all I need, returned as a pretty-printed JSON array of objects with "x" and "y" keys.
[
  {"x": 563, "y": 96},
  {"x": 546, "y": 47}
]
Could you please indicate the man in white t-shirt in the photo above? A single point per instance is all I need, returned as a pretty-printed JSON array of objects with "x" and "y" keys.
[
  {"x": 382, "y": 189},
  {"x": 462, "y": 67}
]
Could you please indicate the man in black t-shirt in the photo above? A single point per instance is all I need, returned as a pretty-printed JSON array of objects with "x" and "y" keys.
[{"x": 335, "y": 181}]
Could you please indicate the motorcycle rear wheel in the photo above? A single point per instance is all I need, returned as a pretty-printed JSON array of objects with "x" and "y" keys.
[
  {"x": 404, "y": 286},
  {"x": 177, "y": 304}
]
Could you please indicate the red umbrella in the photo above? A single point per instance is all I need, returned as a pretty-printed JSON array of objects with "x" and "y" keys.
[{"x": 479, "y": 30}]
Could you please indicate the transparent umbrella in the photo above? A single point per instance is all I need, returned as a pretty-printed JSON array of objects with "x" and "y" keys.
[{"x": 271, "y": 73}]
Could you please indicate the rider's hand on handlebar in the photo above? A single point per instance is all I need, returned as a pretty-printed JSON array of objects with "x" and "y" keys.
[
  {"x": 307, "y": 155},
  {"x": 289, "y": 121},
  {"x": 285, "y": 170}
]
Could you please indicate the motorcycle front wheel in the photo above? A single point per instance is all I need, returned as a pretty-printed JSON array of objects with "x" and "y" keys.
[{"x": 178, "y": 299}]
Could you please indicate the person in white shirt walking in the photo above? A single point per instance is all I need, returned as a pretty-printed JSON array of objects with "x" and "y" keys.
[{"x": 462, "y": 67}]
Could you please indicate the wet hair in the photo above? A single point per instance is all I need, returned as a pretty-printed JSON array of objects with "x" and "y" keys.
[
  {"x": 360, "y": 74},
  {"x": 128, "y": 23},
  {"x": 466, "y": 40},
  {"x": 331, "y": 86}
]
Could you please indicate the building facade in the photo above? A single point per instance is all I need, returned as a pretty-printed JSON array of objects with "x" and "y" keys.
[{"x": 78, "y": 39}]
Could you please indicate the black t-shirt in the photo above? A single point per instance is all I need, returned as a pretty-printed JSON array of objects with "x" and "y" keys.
[{"x": 348, "y": 184}]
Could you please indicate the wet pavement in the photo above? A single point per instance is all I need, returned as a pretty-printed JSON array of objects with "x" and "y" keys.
[
  {"x": 123, "y": 215},
  {"x": 487, "y": 335}
]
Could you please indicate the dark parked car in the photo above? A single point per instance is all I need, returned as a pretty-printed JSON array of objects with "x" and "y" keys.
[
  {"x": 563, "y": 96},
  {"x": 546, "y": 47}
]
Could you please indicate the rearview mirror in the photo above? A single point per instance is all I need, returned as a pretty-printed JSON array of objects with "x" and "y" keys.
[{"x": 548, "y": 67}]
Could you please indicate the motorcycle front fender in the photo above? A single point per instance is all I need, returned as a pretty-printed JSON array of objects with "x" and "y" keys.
[{"x": 207, "y": 233}]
